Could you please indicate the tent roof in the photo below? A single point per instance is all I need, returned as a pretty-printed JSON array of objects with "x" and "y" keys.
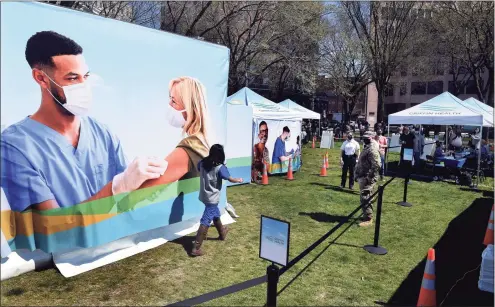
[
  {"x": 444, "y": 109},
  {"x": 480, "y": 108},
  {"x": 305, "y": 113},
  {"x": 262, "y": 107}
]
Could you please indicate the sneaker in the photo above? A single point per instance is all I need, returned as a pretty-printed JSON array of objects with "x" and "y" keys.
[
  {"x": 351, "y": 187},
  {"x": 366, "y": 223}
]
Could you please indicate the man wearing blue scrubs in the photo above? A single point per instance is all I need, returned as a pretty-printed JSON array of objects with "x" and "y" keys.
[
  {"x": 58, "y": 157},
  {"x": 279, "y": 153}
]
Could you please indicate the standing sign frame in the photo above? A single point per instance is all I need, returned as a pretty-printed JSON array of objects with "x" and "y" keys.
[{"x": 263, "y": 252}]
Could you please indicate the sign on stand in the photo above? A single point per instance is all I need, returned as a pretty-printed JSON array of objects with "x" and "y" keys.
[{"x": 274, "y": 240}]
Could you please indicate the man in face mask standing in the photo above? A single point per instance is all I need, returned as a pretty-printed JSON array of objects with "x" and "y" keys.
[
  {"x": 419, "y": 144},
  {"x": 407, "y": 142},
  {"x": 349, "y": 154},
  {"x": 58, "y": 157},
  {"x": 367, "y": 170}
]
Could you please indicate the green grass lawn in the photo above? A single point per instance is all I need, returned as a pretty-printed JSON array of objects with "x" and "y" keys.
[{"x": 344, "y": 274}]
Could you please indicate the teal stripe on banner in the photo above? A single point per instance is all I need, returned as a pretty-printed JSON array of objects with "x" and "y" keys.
[
  {"x": 237, "y": 162},
  {"x": 428, "y": 284},
  {"x": 243, "y": 172},
  {"x": 125, "y": 224}
]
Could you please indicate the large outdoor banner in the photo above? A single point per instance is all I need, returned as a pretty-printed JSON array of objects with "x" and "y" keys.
[
  {"x": 239, "y": 140},
  {"x": 265, "y": 149},
  {"x": 83, "y": 97}
]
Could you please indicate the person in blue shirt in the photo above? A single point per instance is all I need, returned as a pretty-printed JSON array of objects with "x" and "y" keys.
[
  {"x": 212, "y": 172},
  {"x": 438, "y": 150},
  {"x": 279, "y": 153},
  {"x": 58, "y": 157}
]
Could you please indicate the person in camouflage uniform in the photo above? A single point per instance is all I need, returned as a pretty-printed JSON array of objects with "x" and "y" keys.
[{"x": 367, "y": 174}]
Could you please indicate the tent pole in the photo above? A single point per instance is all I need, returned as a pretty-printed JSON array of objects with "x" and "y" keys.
[
  {"x": 386, "y": 152},
  {"x": 446, "y": 136},
  {"x": 479, "y": 158}
]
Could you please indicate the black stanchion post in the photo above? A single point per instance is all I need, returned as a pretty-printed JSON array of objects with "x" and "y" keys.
[
  {"x": 272, "y": 273},
  {"x": 375, "y": 248},
  {"x": 404, "y": 202}
]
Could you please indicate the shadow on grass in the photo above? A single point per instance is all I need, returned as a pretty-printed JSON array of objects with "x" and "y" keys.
[
  {"x": 326, "y": 218},
  {"x": 335, "y": 188},
  {"x": 316, "y": 258},
  {"x": 457, "y": 252},
  {"x": 15, "y": 292},
  {"x": 187, "y": 241},
  {"x": 489, "y": 194}
]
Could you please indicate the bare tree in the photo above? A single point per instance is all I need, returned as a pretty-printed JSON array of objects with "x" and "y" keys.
[
  {"x": 146, "y": 13},
  {"x": 467, "y": 35},
  {"x": 277, "y": 41},
  {"x": 385, "y": 30},
  {"x": 344, "y": 62}
]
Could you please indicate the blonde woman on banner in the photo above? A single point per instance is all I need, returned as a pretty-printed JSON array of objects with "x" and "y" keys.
[{"x": 187, "y": 110}]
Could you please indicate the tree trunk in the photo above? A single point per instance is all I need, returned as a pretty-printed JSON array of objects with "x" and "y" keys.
[
  {"x": 346, "y": 114},
  {"x": 490, "y": 81},
  {"x": 381, "y": 105}
]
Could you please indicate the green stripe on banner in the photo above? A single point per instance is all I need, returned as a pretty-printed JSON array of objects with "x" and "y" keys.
[
  {"x": 127, "y": 201},
  {"x": 236, "y": 162}
]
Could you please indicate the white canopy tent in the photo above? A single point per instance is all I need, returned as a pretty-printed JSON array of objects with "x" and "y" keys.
[
  {"x": 305, "y": 113},
  {"x": 444, "y": 109},
  {"x": 480, "y": 108},
  {"x": 262, "y": 107},
  {"x": 274, "y": 115}
]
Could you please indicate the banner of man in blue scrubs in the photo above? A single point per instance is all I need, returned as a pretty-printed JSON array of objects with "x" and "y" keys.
[{"x": 106, "y": 122}]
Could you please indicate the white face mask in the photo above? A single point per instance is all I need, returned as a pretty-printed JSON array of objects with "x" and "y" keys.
[
  {"x": 78, "y": 97},
  {"x": 175, "y": 118}
]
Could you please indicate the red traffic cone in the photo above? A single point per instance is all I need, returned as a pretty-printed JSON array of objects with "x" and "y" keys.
[
  {"x": 313, "y": 146},
  {"x": 489, "y": 231},
  {"x": 264, "y": 178},
  {"x": 290, "y": 176},
  {"x": 323, "y": 172},
  {"x": 428, "y": 294}
]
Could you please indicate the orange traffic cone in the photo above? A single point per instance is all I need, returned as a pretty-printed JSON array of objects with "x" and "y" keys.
[
  {"x": 428, "y": 294},
  {"x": 290, "y": 176},
  {"x": 489, "y": 231},
  {"x": 313, "y": 146},
  {"x": 323, "y": 172},
  {"x": 264, "y": 178}
]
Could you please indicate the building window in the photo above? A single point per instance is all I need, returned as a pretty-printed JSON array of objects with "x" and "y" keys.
[
  {"x": 403, "y": 89},
  {"x": 418, "y": 88},
  {"x": 403, "y": 70},
  {"x": 435, "y": 87},
  {"x": 389, "y": 90},
  {"x": 471, "y": 87}
]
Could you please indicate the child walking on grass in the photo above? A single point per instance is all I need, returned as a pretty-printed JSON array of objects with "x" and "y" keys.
[{"x": 212, "y": 172}]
